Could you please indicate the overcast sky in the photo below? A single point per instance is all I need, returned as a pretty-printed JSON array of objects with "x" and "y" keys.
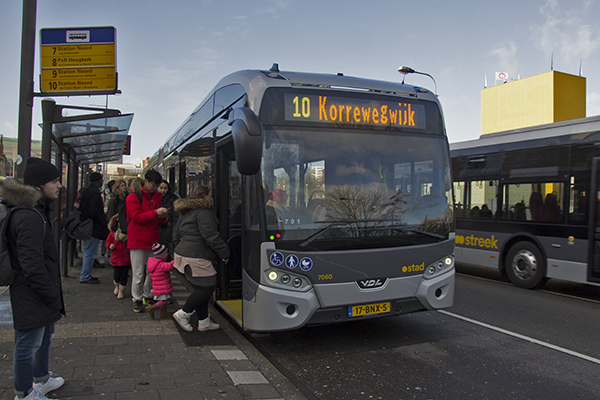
[{"x": 171, "y": 53}]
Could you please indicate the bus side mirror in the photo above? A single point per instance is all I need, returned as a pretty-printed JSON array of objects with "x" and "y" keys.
[{"x": 248, "y": 136}]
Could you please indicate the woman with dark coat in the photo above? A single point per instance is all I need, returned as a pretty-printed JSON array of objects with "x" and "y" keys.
[{"x": 198, "y": 246}]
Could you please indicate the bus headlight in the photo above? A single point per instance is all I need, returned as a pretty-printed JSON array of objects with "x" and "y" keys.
[
  {"x": 439, "y": 267},
  {"x": 273, "y": 275}
]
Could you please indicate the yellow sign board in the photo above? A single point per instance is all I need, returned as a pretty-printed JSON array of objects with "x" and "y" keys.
[{"x": 78, "y": 60}]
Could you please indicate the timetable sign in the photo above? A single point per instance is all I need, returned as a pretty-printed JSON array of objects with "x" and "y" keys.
[{"x": 80, "y": 60}]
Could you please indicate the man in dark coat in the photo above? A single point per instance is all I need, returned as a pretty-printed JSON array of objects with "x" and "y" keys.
[
  {"x": 36, "y": 294},
  {"x": 92, "y": 207}
]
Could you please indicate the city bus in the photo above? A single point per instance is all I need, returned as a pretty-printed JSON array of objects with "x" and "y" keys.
[
  {"x": 333, "y": 194},
  {"x": 527, "y": 202}
]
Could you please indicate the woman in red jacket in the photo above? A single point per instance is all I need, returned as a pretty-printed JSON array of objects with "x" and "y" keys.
[{"x": 144, "y": 214}]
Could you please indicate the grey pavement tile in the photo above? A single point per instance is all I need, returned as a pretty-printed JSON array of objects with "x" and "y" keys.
[
  {"x": 75, "y": 389},
  {"x": 238, "y": 365},
  {"x": 112, "y": 341},
  {"x": 167, "y": 369},
  {"x": 114, "y": 385},
  {"x": 196, "y": 380},
  {"x": 147, "y": 358},
  {"x": 229, "y": 354},
  {"x": 247, "y": 377},
  {"x": 221, "y": 378},
  {"x": 92, "y": 373},
  {"x": 259, "y": 392},
  {"x": 131, "y": 348},
  {"x": 221, "y": 392},
  {"x": 112, "y": 359},
  {"x": 203, "y": 366},
  {"x": 76, "y": 361},
  {"x": 139, "y": 395},
  {"x": 139, "y": 371},
  {"x": 107, "y": 396}
]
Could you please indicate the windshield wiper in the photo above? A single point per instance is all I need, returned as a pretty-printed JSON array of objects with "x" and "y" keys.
[
  {"x": 321, "y": 231},
  {"x": 415, "y": 229},
  {"x": 403, "y": 228}
]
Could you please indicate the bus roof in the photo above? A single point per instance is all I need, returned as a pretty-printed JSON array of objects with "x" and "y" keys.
[
  {"x": 582, "y": 130},
  {"x": 255, "y": 82}
]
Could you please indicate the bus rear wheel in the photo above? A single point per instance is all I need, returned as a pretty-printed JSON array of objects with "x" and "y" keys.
[{"x": 525, "y": 266}]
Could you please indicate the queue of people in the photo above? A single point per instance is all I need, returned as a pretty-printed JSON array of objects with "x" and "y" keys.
[
  {"x": 153, "y": 231},
  {"x": 143, "y": 234}
]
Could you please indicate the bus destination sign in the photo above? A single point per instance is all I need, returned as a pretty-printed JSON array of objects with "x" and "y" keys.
[
  {"x": 81, "y": 60},
  {"x": 352, "y": 111}
]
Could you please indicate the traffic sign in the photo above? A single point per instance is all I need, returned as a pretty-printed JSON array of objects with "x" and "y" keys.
[{"x": 78, "y": 60}]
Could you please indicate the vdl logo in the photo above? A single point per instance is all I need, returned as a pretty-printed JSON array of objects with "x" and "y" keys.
[{"x": 371, "y": 283}]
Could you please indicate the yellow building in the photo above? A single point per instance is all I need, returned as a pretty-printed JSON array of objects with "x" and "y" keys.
[{"x": 540, "y": 99}]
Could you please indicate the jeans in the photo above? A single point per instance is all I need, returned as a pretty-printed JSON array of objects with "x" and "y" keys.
[
  {"x": 30, "y": 360},
  {"x": 141, "y": 285},
  {"x": 90, "y": 247}
]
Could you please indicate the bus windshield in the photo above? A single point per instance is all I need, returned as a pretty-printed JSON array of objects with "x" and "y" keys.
[{"x": 380, "y": 188}]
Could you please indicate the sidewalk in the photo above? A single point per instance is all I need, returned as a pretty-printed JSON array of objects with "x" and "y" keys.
[{"x": 106, "y": 351}]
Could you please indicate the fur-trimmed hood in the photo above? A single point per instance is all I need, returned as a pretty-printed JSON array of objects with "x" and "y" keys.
[
  {"x": 184, "y": 205},
  {"x": 18, "y": 194}
]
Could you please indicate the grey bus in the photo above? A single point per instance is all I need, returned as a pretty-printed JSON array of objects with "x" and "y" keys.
[
  {"x": 332, "y": 192},
  {"x": 527, "y": 202}
]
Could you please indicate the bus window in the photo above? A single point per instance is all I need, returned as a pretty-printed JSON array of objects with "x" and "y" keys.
[
  {"x": 459, "y": 197},
  {"x": 481, "y": 201},
  {"x": 538, "y": 202}
]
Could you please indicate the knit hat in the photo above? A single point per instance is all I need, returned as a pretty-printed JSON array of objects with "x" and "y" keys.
[
  {"x": 95, "y": 177},
  {"x": 158, "y": 249},
  {"x": 39, "y": 172}
]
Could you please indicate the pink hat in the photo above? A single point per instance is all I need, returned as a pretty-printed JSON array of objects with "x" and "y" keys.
[{"x": 158, "y": 249}]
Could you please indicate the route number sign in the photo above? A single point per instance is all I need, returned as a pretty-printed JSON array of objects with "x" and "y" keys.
[{"x": 78, "y": 60}]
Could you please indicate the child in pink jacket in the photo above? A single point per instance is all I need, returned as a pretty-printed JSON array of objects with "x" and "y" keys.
[{"x": 160, "y": 274}]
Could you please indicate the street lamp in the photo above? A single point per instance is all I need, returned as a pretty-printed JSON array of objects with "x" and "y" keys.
[{"x": 408, "y": 70}]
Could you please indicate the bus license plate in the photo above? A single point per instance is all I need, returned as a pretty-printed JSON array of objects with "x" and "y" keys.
[{"x": 368, "y": 309}]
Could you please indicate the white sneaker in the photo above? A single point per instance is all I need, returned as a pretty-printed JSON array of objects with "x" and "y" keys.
[
  {"x": 207, "y": 325},
  {"x": 34, "y": 395},
  {"x": 183, "y": 319},
  {"x": 50, "y": 385}
]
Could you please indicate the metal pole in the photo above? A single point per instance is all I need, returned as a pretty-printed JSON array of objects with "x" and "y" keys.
[
  {"x": 26, "y": 86},
  {"x": 48, "y": 107}
]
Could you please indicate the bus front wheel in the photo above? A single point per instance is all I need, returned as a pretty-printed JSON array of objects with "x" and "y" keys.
[{"x": 525, "y": 266}]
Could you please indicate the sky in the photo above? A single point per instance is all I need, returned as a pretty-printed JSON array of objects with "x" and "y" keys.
[{"x": 170, "y": 54}]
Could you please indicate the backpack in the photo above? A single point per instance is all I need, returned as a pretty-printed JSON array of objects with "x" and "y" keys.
[
  {"x": 76, "y": 229},
  {"x": 7, "y": 273},
  {"x": 123, "y": 221}
]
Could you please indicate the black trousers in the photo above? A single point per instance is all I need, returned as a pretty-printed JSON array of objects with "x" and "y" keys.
[{"x": 198, "y": 301}]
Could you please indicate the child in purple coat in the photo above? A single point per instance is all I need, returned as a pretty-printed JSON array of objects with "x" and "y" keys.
[{"x": 160, "y": 274}]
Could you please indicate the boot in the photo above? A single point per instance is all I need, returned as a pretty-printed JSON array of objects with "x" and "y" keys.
[
  {"x": 163, "y": 313},
  {"x": 116, "y": 291},
  {"x": 121, "y": 293},
  {"x": 151, "y": 309},
  {"x": 207, "y": 325},
  {"x": 183, "y": 319}
]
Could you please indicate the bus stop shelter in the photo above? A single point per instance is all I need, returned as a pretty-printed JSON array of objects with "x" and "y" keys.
[{"x": 73, "y": 144}]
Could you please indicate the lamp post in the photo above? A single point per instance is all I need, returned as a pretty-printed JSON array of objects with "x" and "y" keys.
[{"x": 408, "y": 70}]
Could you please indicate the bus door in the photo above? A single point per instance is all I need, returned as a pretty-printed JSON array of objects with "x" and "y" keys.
[
  {"x": 594, "y": 264},
  {"x": 228, "y": 206}
]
